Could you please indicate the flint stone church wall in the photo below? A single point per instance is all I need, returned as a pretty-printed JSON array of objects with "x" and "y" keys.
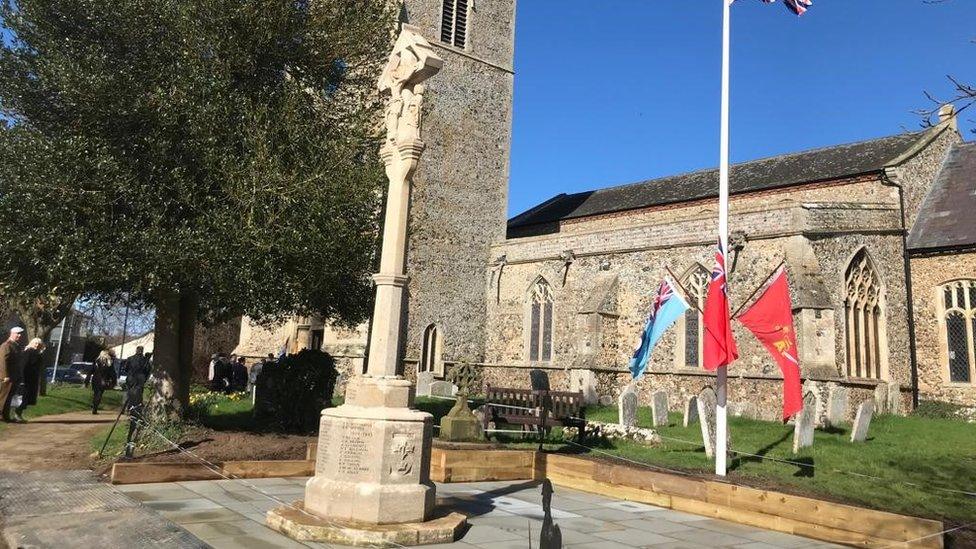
[
  {"x": 460, "y": 192},
  {"x": 928, "y": 275}
]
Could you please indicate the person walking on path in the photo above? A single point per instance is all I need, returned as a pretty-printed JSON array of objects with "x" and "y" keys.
[
  {"x": 10, "y": 367},
  {"x": 30, "y": 386},
  {"x": 102, "y": 377}
]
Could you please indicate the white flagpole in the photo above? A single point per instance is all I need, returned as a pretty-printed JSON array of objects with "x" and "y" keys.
[{"x": 721, "y": 416}]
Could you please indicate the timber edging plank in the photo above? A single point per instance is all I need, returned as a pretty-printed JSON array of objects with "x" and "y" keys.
[{"x": 152, "y": 472}]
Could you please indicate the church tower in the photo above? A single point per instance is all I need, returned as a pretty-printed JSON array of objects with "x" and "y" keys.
[{"x": 460, "y": 192}]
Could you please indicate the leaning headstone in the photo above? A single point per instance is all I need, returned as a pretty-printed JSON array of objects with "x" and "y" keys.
[
  {"x": 539, "y": 379},
  {"x": 424, "y": 380},
  {"x": 443, "y": 389},
  {"x": 659, "y": 409},
  {"x": 627, "y": 407},
  {"x": 691, "y": 411},
  {"x": 805, "y": 421},
  {"x": 894, "y": 399},
  {"x": 859, "y": 433},
  {"x": 706, "y": 414},
  {"x": 838, "y": 400}
]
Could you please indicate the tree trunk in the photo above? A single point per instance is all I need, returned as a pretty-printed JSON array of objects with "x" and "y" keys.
[{"x": 176, "y": 317}]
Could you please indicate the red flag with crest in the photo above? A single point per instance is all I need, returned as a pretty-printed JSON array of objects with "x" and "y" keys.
[
  {"x": 718, "y": 347},
  {"x": 770, "y": 319}
]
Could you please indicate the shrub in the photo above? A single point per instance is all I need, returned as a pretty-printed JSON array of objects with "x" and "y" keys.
[{"x": 292, "y": 392}]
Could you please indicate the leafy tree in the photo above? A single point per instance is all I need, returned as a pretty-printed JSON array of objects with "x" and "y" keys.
[{"x": 204, "y": 157}]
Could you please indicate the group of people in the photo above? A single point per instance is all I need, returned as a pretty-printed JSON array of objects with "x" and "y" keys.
[
  {"x": 227, "y": 374},
  {"x": 231, "y": 374},
  {"x": 103, "y": 375},
  {"x": 20, "y": 374}
]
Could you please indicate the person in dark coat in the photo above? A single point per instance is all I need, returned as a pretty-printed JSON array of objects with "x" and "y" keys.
[
  {"x": 102, "y": 377},
  {"x": 9, "y": 368},
  {"x": 239, "y": 375},
  {"x": 30, "y": 385}
]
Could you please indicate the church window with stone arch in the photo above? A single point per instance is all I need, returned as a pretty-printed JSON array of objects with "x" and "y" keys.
[
  {"x": 958, "y": 324},
  {"x": 540, "y": 321},
  {"x": 688, "y": 350},
  {"x": 864, "y": 315},
  {"x": 454, "y": 22},
  {"x": 431, "y": 352}
]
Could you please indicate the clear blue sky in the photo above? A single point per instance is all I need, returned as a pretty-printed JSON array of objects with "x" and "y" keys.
[{"x": 614, "y": 91}]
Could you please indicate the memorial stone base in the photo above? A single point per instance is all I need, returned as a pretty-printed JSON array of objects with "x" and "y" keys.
[
  {"x": 297, "y": 524},
  {"x": 373, "y": 461}
]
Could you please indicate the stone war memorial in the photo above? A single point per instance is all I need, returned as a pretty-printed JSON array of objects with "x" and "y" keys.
[{"x": 372, "y": 474}]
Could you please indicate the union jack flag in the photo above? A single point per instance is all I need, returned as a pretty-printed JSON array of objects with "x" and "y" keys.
[
  {"x": 664, "y": 293},
  {"x": 798, "y": 7},
  {"x": 718, "y": 271}
]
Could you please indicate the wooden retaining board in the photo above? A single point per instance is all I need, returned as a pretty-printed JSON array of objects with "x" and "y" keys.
[
  {"x": 480, "y": 465},
  {"x": 150, "y": 472}
]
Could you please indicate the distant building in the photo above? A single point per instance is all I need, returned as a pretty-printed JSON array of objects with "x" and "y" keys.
[{"x": 66, "y": 342}]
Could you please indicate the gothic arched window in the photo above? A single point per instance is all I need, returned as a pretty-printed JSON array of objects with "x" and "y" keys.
[
  {"x": 865, "y": 319},
  {"x": 958, "y": 316},
  {"x": 540, "y": 322},
  {"x": 431, "y": 350},
  {"x": 454, "y": 23},
  {"x": 689, "y": 327}
]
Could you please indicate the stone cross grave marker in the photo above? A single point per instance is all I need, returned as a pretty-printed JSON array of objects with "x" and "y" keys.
[
  {"x": 627, "y": 407},
  {"x": 805, "y": 421},
  {"x": 859, "y": 433},
  {"x": 443, "y": 389},
  {"x": 691, "y": 411},
  {"x": 659, "y": 408},
  {"x": 838, "y": 400},
  {"x": 539, "y": 379},
  {"x": 706, "y": 414},
  {"x": 424, "y": 379}
]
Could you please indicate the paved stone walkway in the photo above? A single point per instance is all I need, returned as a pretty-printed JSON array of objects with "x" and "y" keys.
[
  {"x": 60, "y": 441},
  {"x": 502, "y": 515}
]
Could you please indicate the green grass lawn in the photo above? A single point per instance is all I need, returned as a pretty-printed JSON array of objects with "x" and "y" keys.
[{"x": 911, "y": 458}]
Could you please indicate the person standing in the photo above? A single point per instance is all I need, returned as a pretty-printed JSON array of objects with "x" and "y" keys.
[
  {"x": 102, "y": 377},
  {"x": 10, "y": 356},
  {"x": 239, "y": 375},
  {"x": 30, "y": 385}
]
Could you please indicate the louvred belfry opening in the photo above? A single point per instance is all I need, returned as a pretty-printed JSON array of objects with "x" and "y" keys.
[{"x": 454, "y": 23}]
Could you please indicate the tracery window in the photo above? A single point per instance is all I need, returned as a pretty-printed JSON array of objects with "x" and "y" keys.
[
  {"x": 540, "y": 322},
  {"x": 864, "y": 314},
  {"x": 454, "y": 23},
  {"x": 959, "y": 321},
  {"x": 431, "y": 359},
  {"x": 688, "y": 351}
]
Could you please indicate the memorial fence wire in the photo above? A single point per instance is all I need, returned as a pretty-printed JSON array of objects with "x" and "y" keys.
[{"x": 212, "y": 467}]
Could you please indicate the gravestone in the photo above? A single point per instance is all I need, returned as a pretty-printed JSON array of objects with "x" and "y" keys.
[
  {"x": 805, "y": 421},
  {"x": 460, "y": 424},
  {"x": 881, "y": 398},
  {"x": 894, "y": 399},
  {"x": 443, "y": 389},
  {"x": 659, "y": 409},
  {"x": 627, "y": 407},
  {"x": 691, "y": 411},
  {"x": 539, "y": 379},
  {"x": 585, "y": 381},
  {"x": 424, "y": 380},
  {"x": 706, "y": 414},
  {"x": 837, "y": 402},
  {"x": 819, "y": 391},
  {"x": 859, "y": 433}
]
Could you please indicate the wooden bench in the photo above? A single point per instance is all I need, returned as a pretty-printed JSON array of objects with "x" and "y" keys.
[{"x": 528, "y": 406}]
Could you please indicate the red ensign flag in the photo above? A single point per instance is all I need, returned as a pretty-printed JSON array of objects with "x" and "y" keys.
[
  {"x": 718, "y": 347},
  {"x": 770, "y": 319}
]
